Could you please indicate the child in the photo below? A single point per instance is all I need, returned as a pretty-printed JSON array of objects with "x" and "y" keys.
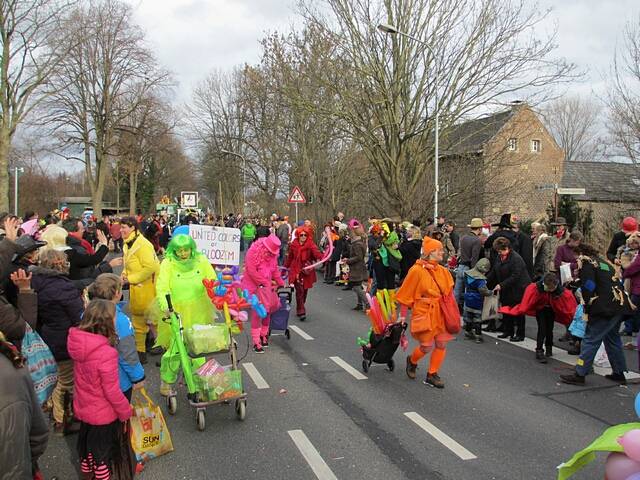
[
  {"x": 475, "y": 290},
  {"x": 549, "y": 301},
  {"x": 108, "y": 286},
  {"x": 98, "y": 402}
]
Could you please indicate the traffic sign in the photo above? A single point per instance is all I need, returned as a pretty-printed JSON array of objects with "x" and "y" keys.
[
  {"x": 571, "y": 191},
  {"x": 188, "y": 199},
  {"x": 296, "y": 196}
]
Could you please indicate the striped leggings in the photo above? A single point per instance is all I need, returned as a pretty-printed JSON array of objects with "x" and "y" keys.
[{"x": 90, "y": 470}]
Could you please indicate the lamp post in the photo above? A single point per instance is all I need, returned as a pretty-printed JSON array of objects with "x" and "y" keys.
[
  {"x": 391, "y": 30},
  {"x": 17, "y": 172},
  {"x": 244, "y": 176}
]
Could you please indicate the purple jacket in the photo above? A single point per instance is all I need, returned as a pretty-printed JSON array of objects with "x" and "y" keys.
[
  {"x": 632, "y": 272},
  {"x": 565, "y": 254}
]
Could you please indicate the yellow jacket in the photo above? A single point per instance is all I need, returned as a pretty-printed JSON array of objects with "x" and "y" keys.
[{"x": 141, "y": 266}]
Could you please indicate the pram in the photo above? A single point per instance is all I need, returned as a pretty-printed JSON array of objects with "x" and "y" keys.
[
  {"x": 381, "y": 348},
  {"x": 222, "y": 387}
]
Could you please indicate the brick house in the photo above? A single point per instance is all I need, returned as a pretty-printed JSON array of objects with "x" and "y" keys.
[
  {"x": 611, "y": 192},
  {"x": 505, "y": 162}
]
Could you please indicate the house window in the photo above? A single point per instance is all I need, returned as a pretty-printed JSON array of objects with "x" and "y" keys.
[
  {"x": 512, "y": 144},
  {"x": 536, "y": 146}
]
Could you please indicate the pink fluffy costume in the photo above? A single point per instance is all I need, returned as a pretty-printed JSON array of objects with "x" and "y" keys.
[{"x": 260, "y": 271}]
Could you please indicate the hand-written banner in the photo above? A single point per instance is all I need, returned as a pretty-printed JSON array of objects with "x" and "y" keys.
[{"x": 220, "y": 245}]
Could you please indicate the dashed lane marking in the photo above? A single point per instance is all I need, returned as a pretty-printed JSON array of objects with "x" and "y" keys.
[
  {"x": 255, "y": 375},
  {"x": 311, "y": 455},
  {"x": 300, "y": 332},
  {"x": 440, "y": 436},
  {"x": 348, "y": 368}
]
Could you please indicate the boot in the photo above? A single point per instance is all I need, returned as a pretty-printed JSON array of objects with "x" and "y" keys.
[
  {"x": 434, "y": 380},
  {"x": 617, "y": 377},
  {"x": 540, "y": 356},
  {"x": 69, "y": 424},
  {"x": 548, "y": 351},
  {"x": 573, "y": 379},
  {"x": 411, "y": 368}
]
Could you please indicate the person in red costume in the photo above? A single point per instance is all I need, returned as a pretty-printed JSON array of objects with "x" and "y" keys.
[{"x": 302, "y": 252}]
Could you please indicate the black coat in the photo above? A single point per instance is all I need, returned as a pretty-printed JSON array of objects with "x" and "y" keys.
[
  {"x": 599, "y": 290},
  {"x": 81, "y": 264},
  {"x": 512, "y": 276},
  {"x": 619, "y": 239},
  {"x": 60, "y": 307},
  {"x": 410, "y": 251},
  {"x": 525, "y": 249},
  {"x": 506, "y": 233}
]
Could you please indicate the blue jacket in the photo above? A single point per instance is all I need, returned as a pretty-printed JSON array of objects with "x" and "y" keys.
[
  {"x": 129, "y": 368},
  {"x": 472, "y": 296}
]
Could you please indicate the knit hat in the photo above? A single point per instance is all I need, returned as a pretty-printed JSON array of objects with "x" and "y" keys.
[
  {"x": 272, "y": 243},
  {"x": 629, "y": 225},
  {"x": 430, "y": 245},
  {"x": 481, "y": 268}
]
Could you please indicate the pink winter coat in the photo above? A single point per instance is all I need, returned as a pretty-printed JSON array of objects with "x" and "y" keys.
[
  {"x": 97, "y": 398},
  {"x": 260, "y": 268}
]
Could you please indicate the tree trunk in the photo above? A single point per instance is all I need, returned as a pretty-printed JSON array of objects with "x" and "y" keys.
[
  {"x": 133, "y": 188},
  {"x": 5, "y": 146}
]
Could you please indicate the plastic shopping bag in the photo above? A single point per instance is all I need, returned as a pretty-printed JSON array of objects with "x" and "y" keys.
[
  {"x": 578, "y": 325},
  {"x": 565, "y": 273},
  {"x": 42, "y": 366},
  {"x": 490, "y": 308},
  {"x": 602, "y": 360},
  {"x": 150, "y": 436}
]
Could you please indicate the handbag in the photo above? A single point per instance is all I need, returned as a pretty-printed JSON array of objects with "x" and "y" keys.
[
  {"x": 150, "y": 436},
  {"x": 269, "y": 298},
  {"x": 42, "y": 366},
  {"x": 449, "y": 310}
]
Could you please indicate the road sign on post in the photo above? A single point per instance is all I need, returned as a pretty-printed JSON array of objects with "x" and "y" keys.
[
  {"x": 296, "y": 197},
  {"x": 571, "y": 191},
  {"x": 188, "y": 199}
]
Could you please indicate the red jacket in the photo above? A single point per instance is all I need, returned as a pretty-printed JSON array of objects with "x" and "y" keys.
[
  {"x": 97, "y": 398},
  {"x": 299, "y": 257},
  {"x": 562, "y": 303}
]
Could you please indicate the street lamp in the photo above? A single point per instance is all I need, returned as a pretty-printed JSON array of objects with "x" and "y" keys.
[
  {"x": 244, "y": 175},
  {"x": 391, "y": 30},
  {"x": 17, "y": 172}
]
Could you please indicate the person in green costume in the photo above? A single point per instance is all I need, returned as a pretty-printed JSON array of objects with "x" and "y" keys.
[
  {"x": 248, "y": 234},
  {"x": 181, "y": 275}
]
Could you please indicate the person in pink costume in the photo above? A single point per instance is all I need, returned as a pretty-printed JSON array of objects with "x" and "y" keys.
[{"x": 260, "y": 271}]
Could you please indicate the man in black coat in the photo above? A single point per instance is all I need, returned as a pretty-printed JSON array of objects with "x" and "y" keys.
[
  {"x": 509, "y": 276},
  {"x": 627, "y": 227}
]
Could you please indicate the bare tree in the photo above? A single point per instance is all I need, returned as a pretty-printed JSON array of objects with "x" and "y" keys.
[
  {"x": 483, "y": 52},
  {"x": 103, "y": 80},
  {"x": 624, "y": 99},
  {"x": 573, "y": 121},
  {"x": 27, "y": 61}
]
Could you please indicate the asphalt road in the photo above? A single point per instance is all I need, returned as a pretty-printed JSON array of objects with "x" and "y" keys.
[{"x": 501, "y": 415}]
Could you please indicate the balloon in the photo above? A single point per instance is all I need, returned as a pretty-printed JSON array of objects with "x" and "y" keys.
[
  {"x": 327, "y": 253},
  {"x": 637, "y": 404},
  {"x": 630, "y": 441},
  {"x": 182, "y": 229},
  {"x": 635, "y": 476},
  {"x": 620, "y": 467}
]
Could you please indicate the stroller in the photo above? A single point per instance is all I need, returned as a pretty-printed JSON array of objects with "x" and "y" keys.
[
  {"x": 222, "y": 387},
  {"x": 280, "y": 318},
  {"x": 381, "y": 348}
]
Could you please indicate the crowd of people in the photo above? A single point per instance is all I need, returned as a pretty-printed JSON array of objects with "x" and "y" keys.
[{"x": 57, "y": 281}]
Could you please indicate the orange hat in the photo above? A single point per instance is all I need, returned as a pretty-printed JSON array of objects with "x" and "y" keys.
[{"x": 430, "y": 245}]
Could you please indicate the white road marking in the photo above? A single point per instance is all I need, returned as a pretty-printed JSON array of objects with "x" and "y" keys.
[
  {"x": 440, "y": 436},
  {"x": 560, "y": 355},
  {"x": 311, "y": 455},
  {"x": 301, "y": 332},
  {"x": 349, "y": 369},
  {"x": 255, "y": 375}
]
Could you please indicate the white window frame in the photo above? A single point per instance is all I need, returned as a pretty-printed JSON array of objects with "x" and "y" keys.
[
  {"x": 512, "y": 144},
  {"x": 538, "y": 143}
]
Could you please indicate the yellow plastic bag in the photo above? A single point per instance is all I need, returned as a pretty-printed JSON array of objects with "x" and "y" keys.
[{"x": 150, "y": 436}]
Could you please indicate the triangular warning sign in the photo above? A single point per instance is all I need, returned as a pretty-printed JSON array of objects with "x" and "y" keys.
[{"x": 296, "y": 196}]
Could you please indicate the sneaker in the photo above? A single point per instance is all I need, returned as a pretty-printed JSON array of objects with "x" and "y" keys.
[
  {"x": 302, "y": 318},
  {"x": 617, "y": 377},
  {"x": 411, "y": 368},
  {"x": 264, "y": 341},
  {"x": 258, "y": 349},
  {"x": 165, "y": 389},
  {"x": 434, "y": 380},
  {"x": 516, "y": 339},
  {"x": 573, "y": 379},
  {"x": 358, "y": 308}
]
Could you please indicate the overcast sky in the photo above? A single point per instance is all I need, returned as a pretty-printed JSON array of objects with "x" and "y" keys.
[{"x": 195, "y": 37}]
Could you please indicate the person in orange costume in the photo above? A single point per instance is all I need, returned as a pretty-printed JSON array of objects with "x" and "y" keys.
[{"x": 421, "y": 290}]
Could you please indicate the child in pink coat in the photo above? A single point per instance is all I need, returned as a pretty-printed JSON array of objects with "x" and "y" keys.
[{"x": 98, "y": 402}]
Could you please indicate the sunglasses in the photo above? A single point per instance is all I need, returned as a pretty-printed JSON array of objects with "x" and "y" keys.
[{"x": 303, "y": 235}]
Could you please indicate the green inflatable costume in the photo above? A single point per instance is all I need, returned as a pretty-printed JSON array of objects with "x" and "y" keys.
[{"x": 181, "y": 275}]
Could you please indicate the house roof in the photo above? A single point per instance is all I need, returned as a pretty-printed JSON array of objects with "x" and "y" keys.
[
  {"x": 603, "y": 181},
  {"x": 471, "y": 136}
]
